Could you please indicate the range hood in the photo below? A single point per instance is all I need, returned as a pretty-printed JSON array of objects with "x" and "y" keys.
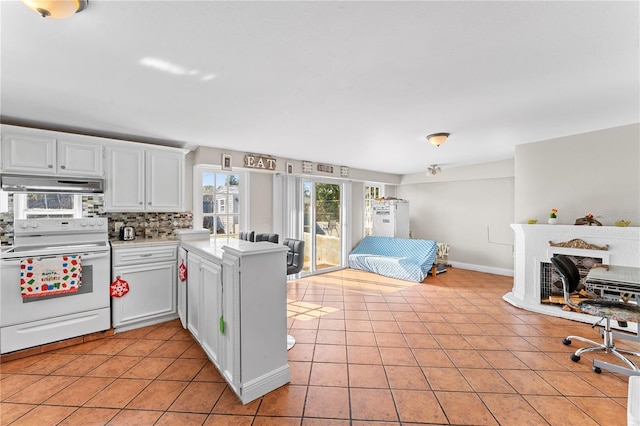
[{"x": 69, "y": 185}]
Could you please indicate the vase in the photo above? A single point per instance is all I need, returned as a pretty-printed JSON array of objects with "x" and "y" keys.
[{"x": 552, "y": 220}]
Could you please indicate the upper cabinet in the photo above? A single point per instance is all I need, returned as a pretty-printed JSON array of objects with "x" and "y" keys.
[
  {"x": 144, "y": 178},
  {"x": 33, "y": 151},
  {"x": 80, "y": 158}
]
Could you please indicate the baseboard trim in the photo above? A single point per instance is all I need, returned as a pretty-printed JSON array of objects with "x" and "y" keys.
[{"x": 481, "y": 268}]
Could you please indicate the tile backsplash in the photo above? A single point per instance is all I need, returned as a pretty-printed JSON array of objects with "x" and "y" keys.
[
  {"x": 150, "y": 225},
  {"x": 147, "y": 225}
]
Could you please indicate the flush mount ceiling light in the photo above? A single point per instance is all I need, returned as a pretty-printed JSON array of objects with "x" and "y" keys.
[
  {"x": 433, "y": 169},
  {"x": 56, "y": 9},
  {"x": 438, "y": 139}
]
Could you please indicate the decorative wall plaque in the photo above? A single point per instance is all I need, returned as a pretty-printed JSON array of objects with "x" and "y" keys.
[
  {"x": 307, "y": 167},
  {"x": 325, "y": 168},
  {"x": 344, "y": 171},
  {"x": 579, "y": 244},
  {"x": 263, "y": 162}
]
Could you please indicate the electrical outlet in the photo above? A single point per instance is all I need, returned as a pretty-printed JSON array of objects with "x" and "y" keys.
[{"x": 118, "y": 225}]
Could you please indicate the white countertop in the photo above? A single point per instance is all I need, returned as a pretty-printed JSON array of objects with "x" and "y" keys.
[{"x": 215, "y": 248}]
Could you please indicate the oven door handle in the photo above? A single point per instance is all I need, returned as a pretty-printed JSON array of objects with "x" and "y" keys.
[{"x": 83, "y": 256}]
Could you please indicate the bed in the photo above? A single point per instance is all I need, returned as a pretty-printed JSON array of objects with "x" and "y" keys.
[{"x": 401, "y": 258}]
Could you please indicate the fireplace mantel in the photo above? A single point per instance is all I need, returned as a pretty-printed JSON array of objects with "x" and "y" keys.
[{"x": 532, "y": 248}]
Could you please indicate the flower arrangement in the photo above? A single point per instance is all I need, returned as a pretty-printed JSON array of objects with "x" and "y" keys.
[
  {"x": 588, "y": 219},
  {"x": 552, "y": 215}
]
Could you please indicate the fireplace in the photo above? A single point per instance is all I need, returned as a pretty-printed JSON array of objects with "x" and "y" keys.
[
  {"x": 536, "y": 244},
  {"x": 550, "y": 282}
]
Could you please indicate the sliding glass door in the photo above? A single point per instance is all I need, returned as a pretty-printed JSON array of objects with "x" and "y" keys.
[{"x": 322, "y": 217}]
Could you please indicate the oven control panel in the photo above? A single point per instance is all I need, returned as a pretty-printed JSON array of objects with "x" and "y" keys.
[{"x": 66, "y": 225}]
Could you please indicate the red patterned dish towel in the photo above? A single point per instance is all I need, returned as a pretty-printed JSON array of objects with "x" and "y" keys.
[{"x": 46, "y": 277}]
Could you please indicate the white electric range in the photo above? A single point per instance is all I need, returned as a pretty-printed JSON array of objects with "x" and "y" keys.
[{"x": 27, "y": 320}]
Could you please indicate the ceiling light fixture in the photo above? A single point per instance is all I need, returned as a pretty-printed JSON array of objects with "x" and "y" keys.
[
  {"x": 56, "y": 9},
  {"x": 438, "y": 139},
  {"x": 433, "y": 170}
]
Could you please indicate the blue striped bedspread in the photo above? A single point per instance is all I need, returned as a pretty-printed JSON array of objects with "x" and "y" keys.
[{"x": 402, "y": 258}]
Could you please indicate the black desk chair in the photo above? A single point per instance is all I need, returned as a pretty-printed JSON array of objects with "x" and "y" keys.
[
  {"x": 604, "y": 308},
  {"x": 295, "y": 262},
  {"x": 272, "y": 238},
  {"x": 295, "y": 256},
  {"x": 247, "y": 235}
]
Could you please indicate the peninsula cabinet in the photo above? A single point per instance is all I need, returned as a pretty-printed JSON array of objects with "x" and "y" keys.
[
  {"x": 204, "y": 304},
  {"x": 142, "y": 179},
  {"x": 242, "y": 312},
  {"x": 34, "y": 151}
]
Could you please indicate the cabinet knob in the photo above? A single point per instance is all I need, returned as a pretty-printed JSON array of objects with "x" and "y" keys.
[
  {"x": 149, "y": 203},
  {"x": 140, "y": 203},
  {"x": 63, "y": 167},
  {"x": 50, "y": 166}
]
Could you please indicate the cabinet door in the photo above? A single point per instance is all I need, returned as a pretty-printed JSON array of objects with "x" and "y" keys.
[
  {"x": 210, "y": 331},
  {"x": 80, "y": 158},
  {"x": 125, "y": 180},
  {"x": 194, "y": 292},
  {"x": 165, "y": 181},
  {"x": 152, "y": 293},
  {"x": 182, "y": 288},
  {"x": 231, "y": 306},
  {"x": 27, "y": 153}
]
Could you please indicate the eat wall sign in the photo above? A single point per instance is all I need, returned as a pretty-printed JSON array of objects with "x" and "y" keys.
[{"x": 259, "y": 162}]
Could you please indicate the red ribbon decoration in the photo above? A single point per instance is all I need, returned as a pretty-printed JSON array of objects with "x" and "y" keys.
[
  {"x": 119, "y": 287},
  {"x": 182, "y": 272}
]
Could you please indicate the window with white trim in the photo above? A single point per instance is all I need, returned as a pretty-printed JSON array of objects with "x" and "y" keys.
[
  {"x": 219, "y": 210},
  {"x": 47, "y": 205}
]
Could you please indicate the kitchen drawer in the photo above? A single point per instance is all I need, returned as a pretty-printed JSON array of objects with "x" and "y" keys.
[{"x": 138, "y": 255}]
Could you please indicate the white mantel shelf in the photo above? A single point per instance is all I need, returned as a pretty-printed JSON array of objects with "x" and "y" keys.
[{"x": 532, "y": 248}]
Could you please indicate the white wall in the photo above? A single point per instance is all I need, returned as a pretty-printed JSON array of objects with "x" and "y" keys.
[
  {"x": 472, "y": 215},
  {"x": 596, "y": 172},
  {"x": 260, "y": 202}
]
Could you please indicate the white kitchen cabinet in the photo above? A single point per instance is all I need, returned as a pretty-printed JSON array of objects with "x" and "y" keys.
[
  {"x": 125, "y": 183},
  {"x": 255, "y": 306},
  {"x": 25, "y": 152},
  {"x": 143, "y": 179},
  {"x": 242, "y": 320},
  {"x": 204, "y": 304},
  {"x": 182, "y": 288},
  {"x": 80, "y": 158},
  {"x": 150, "y": 272},
  {"x": 33, "y": 151},
  {"x": 212, "y": 318},
  {"x": 164, "y": 181},
  {"x": 194, "y": 293}
]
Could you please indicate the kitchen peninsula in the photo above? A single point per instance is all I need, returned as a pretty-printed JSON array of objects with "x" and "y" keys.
[{"x": 236, "y": 306}]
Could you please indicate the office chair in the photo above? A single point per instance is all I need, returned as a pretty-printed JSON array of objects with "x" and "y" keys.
[
  {"x": 247, "y": 235},
  {"x": 295, "y": 262},
  {"x": 272, "y": 238},
  {"x": 606, "y": 309},
  {"x": 295, "y": 256}
]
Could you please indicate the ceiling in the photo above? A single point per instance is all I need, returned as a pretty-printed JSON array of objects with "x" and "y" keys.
[{"x": 358, "y": 84}]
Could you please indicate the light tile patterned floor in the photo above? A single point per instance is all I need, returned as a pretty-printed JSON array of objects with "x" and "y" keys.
[{"x": 370, "y": 350}]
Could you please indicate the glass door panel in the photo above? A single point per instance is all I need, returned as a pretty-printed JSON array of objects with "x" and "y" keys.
[
  {"x": 322, "y": 212},
  {"x": 328, "y": 243},
  {"x": 308, "y": 229}
]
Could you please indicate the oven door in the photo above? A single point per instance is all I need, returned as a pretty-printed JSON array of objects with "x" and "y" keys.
[{"x": 93, "y": 293}]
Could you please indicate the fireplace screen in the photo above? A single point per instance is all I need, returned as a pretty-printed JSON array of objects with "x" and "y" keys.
[{"x": 550, "y": 282}]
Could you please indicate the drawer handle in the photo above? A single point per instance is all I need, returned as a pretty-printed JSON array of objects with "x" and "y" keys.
[{"x": 146, "y": 255}]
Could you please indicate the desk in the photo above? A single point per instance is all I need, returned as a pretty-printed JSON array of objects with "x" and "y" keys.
[
  {"x": 616, "y": 283},
  {"x": 615, "y": 280}
]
